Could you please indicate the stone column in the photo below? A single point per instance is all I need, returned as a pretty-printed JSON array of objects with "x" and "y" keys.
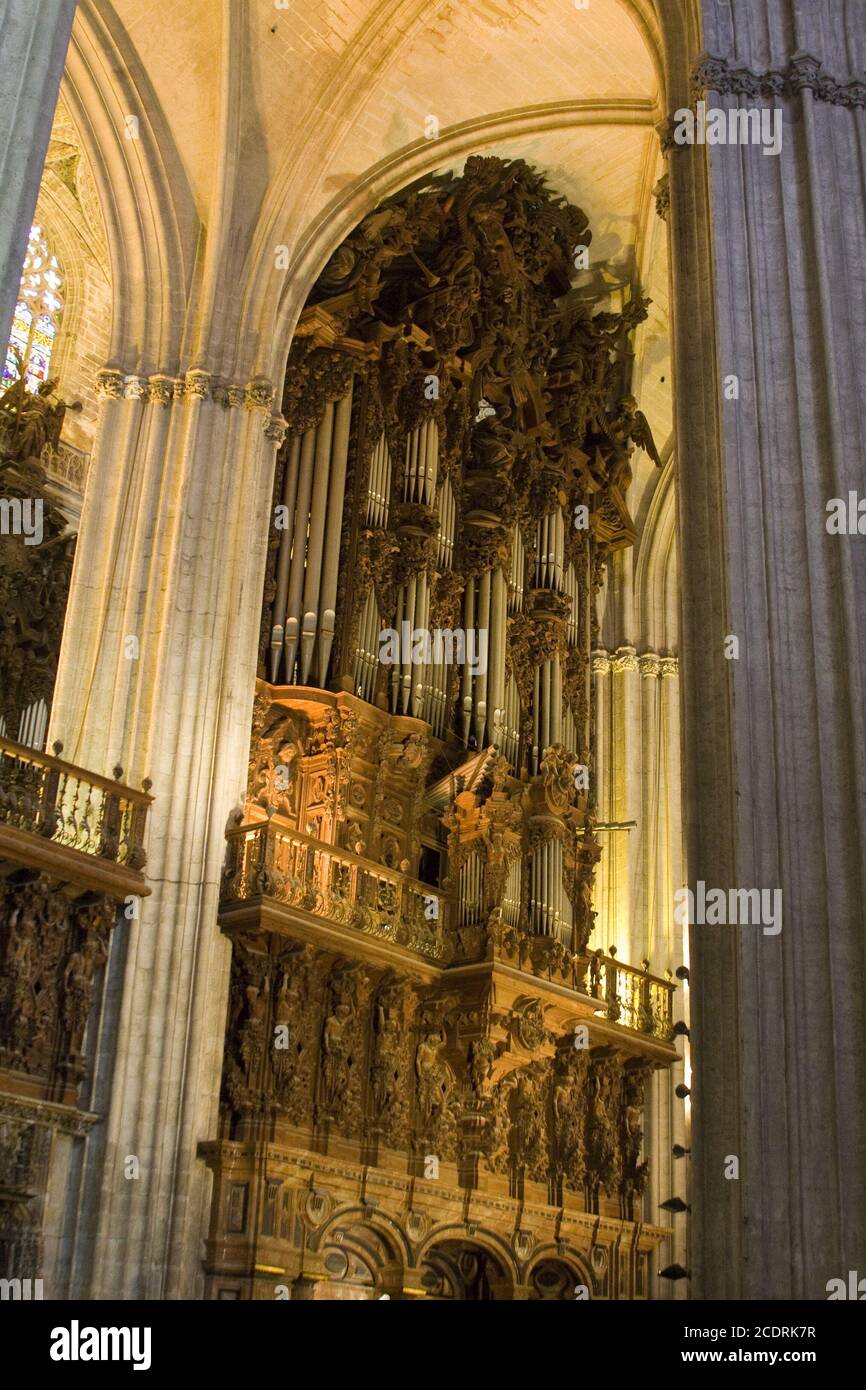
[
  {"x": 602, "y": 786},
  {"x": 34, "y": 36},
  {"x": 157, "y": 673},
  {"x": 770, "y": 429}
]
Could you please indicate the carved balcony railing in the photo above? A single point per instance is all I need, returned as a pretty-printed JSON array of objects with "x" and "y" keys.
[
  {"x": 627, "y": 996},
  {"x": 631, "y": 997},
  {"x": 267, "y": 860},
  {"x": 44, "y": 796}
]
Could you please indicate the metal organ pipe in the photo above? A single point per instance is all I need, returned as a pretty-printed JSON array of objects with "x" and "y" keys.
[
  {"x": 512, "y": 721},
  {"x": 409, "y": 617},
  {"x": 290, "y": 492},
  {"x": 555, "y": 701},
  {"x": 511, "y": 902},
  {"x": 496, "y": 656},
  {"x": 445, "y": 550},
  {"x": 309, "y": 624},
  {"x": 469, "y": 610},
  {"x": 518, "y": 573},
  {"x": 480, "y": 679},
  {"x": 333, "y": 526},
  {"x": 367, "y": 657},
  {"x": 431, "y": 460},
  {"x": 299, "y": 546},
  {"x": 536, "y": 727},
  {"x": 422, "y": 623},
  {"x": 379, "y": 486},
  {"x": 396, "y": 670}
]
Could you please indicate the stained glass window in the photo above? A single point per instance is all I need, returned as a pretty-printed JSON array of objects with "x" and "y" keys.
[{"x": 37, "y": 313}]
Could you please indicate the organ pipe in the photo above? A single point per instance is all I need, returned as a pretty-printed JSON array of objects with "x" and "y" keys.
[
  {"x": 480, "y": 677},
  {"x": 496, "y": 655},
  {"x": 290, "y": 490},
  {"x": 331, "y": 554},
  {"x": 308, "y": 560},
  {"x": 313, "y": 571},
  {"x": 298, "y": 543}
]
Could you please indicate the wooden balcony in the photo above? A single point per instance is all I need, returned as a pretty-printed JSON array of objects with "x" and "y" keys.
[
  {"x": 278, "y": 879},
  {"x": 59, "y": 819},
  {"x": 71, "y": 853}
]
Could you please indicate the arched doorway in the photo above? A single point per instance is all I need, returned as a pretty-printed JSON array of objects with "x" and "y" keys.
[{"x": 464, "y": 1271}]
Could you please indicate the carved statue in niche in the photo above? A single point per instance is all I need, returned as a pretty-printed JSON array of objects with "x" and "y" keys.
[
  {"x": 341, "y": 1056},
  {"x": 433, "y": 1075},
  {"x": 603, "y": 1159},
  {"x": 569, "y": 1115},
  {"x": 293, "y": 1048},
  {"x": 253, "y": 1030},
  {"x": 390, "y": 1068},
  {"x": 635, "y": 1172},
  {"x": 273, "y": 781},
  {"x": 482, "y": 1055},
  {"x": 78, "y": 987},
  {"x": 436, "y": 1090},
  {"x": 336, "y": 1043},
  {"x": 529, "y": 1121},
  {"x": 17, "y": 1014}
]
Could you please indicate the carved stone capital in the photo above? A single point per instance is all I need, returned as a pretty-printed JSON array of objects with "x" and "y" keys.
[
  {"x": 276, "y": 430},
  {"x": 197, "y": 384},
  {"x": 228, "y": 394},
  {"x": 135, "y": 388},
  {"x": 804, "y": 72},
  {"x": 160, "y": 389},
  {"x": 109, "y": 383},
  {"x": 624, "y": 659},
  {"x": 662, "y": 195},
  {"x": 649, "y": 664},
  {"x": 259, "y": 394}
]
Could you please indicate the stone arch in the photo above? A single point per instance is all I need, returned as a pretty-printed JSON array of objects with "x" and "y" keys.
[
  {"x": 371, "y": 57},
  {"x": 656, "y": 596},
  {"x": 69, "y": 211},
  {"x": 572, "y": 1268},
  {"x": 145, "y": 200},
  {"x": 363, "y": 1251},
  {"x": 442, "y": 1246}
]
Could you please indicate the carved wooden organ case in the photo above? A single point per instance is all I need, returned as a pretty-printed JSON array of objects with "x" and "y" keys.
[{"x": 454, "y": 472}]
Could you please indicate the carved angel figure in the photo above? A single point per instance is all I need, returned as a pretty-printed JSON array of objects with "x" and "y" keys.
[{"x": 629, "y": 425}]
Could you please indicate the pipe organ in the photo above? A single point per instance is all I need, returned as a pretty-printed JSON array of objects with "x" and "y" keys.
[
  {"x": 443, "y": 444},
  {"x": 452, "y": 481}
]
